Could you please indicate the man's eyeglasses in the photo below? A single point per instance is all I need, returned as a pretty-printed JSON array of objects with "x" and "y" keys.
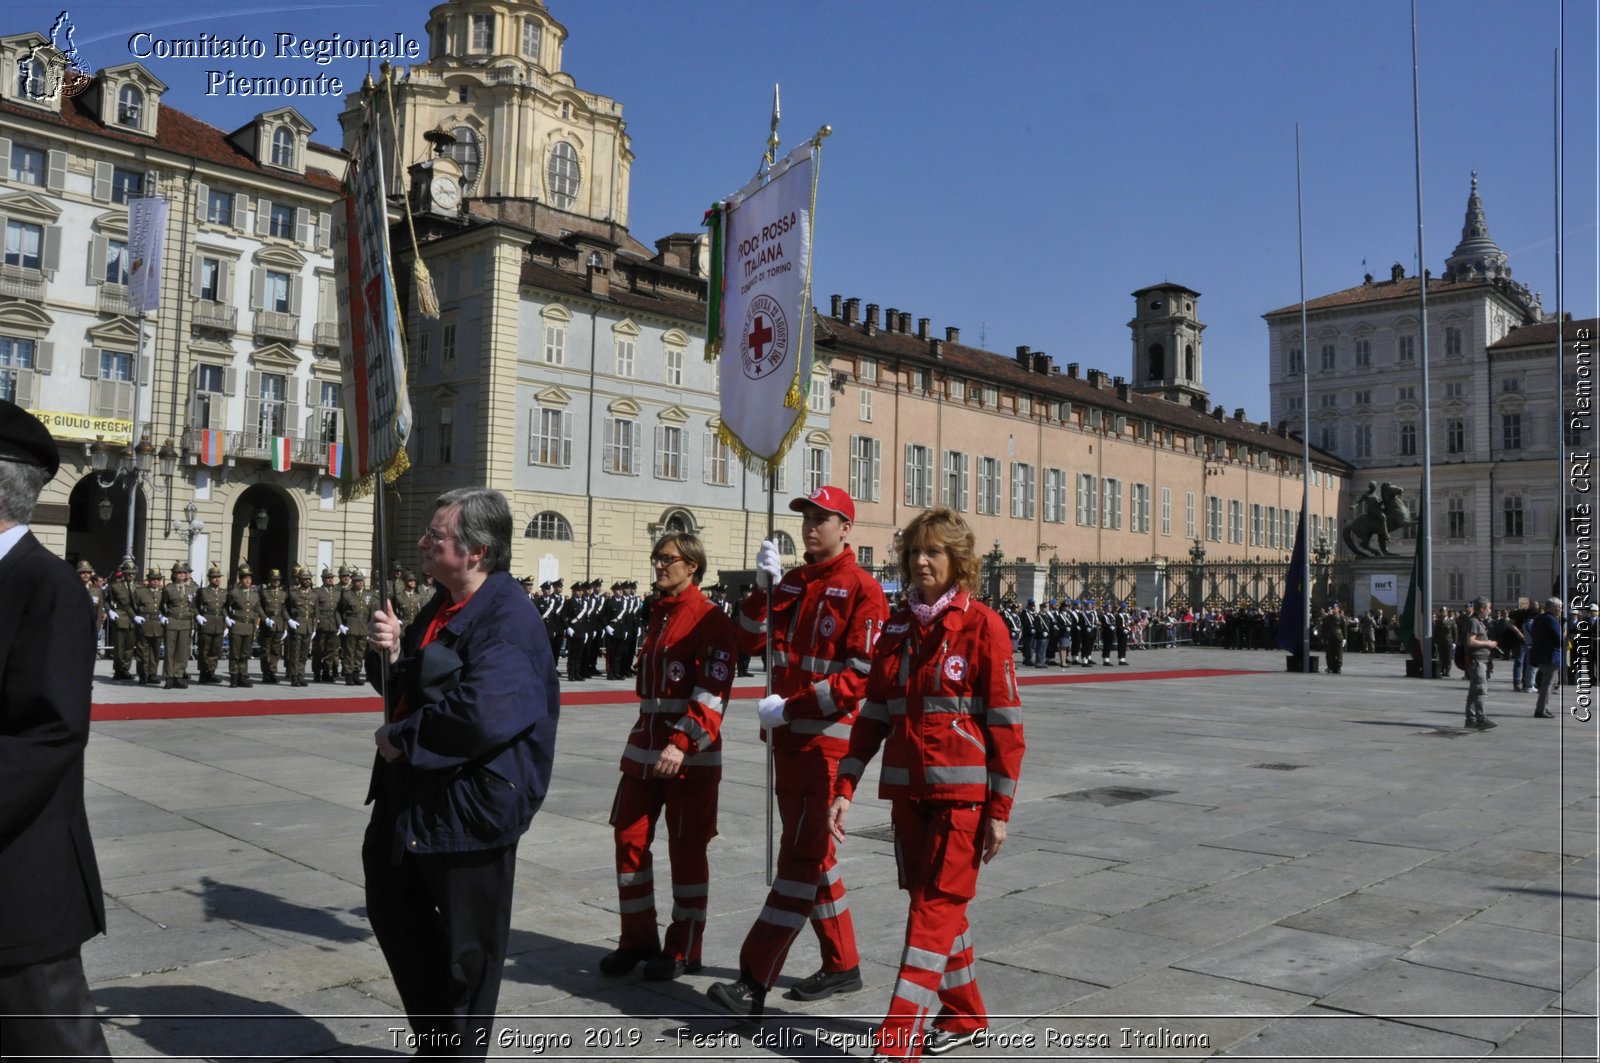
[
  {"x": 665, "y": 560},
  {"x": 438, "y": 537}
]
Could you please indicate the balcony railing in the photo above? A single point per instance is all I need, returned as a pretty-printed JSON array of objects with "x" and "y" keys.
[
  {"x": 325, "y": 334},
  {"x": 208, "y": 314},
  {"x": 21, "y": 282},
  {"x": 251, "y": 445},
  {"x": 276, "y": 325},
  {"x": 113, "y": 299}
]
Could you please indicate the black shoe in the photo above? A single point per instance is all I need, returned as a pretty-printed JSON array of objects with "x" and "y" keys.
[
  {"x": 244, "y": 681},
  {"x": 1487, "y": 724},
  {"x": 233, "y": 681},
  {"x": 183, "y": 684},
  {"x": 825, "y": 984},
  {"x": 941, "y": 1041},
  {"x": 170, "y": 684},
  {"x": 665, "y": 968},
  {"x": 1545, "y": 715},
  {"x": 621, "y": 961},
  {"x": 738, "y": 998},
  {"x": 270, "y": 677}
]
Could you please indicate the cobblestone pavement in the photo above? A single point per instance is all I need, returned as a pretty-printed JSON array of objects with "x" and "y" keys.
[{"x": 1249, "y": 863}]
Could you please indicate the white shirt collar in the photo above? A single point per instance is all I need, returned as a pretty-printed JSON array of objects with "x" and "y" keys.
[{"x": 11, "y": 537}]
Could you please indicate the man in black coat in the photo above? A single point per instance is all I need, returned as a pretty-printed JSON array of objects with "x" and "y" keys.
[{"x": 50, "y": 900}]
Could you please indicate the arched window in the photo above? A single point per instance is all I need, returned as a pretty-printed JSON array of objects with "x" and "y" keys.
[
  {"x": 549, "y": 525},
  {"x": 282, "y": 147},
  {"x": 563, "y": 175},
  {"x": 466, "y": 151},
  {"x": 785, "y": 543},
  {"x": 130, "y": 105},
  {"x": 1158, "y": 362},
  {"x": 679, "y": 520}
]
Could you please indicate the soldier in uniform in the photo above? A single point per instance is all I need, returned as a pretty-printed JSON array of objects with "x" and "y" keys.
[
  {"x": 244, "y": 616},
  {"x": 344, "y": 578},
  {"x": 273, "y": 631},
  {"x": 119, "y": 608},
  {"x": 211, "y": 618},
  {"x": 408, "y": 601},
  {"x": 356, "y": 607},
  {"x": 325, "y": 650},
  {"x": 1333, "y": 638},
  {"x": 177, "y": 617},
  {"x": 300, "y": 618},
  {"x": 147, "y": 624},
  {"x": 96, "y": 596}
]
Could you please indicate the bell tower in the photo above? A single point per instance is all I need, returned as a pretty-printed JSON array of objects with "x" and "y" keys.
[{"x": 1166, "y": 343}]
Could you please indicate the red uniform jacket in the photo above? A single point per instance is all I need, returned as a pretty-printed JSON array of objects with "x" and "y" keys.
[
  {"x": 685, "y": 675},
  {"x": 946, "y": 699},
  {"x": 828, "y": 615}
]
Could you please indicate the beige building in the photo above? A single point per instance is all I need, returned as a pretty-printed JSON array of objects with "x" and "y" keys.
[
  {"x": 243, "y": 343},
  {"x": 1060, "y": 464}
]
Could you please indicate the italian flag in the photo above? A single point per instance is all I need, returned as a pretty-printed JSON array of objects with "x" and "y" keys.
[{"x": 280, "y": 453}]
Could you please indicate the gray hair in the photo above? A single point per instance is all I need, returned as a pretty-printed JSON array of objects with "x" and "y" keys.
[
  {"x": 1480, "y": 602},
  {"x": 483, "y": 521},
  {"x": 1552, "y": 604},
  {"x": 19, "y": 490}
]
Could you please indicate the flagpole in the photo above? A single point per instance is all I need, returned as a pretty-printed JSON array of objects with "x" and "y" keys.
[
  {"x": 1305, "y": 414},
  {"x": 767, "y": 161},
  {"x": 1425, "y": 532}
]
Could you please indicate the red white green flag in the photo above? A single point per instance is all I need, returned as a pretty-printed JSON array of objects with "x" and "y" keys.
[{"x": 280, "y": 453}]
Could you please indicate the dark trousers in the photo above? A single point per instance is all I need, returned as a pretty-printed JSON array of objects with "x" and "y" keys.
[
  {"x": 55, "y": 988},
  {"x": 442, "y": 920}
]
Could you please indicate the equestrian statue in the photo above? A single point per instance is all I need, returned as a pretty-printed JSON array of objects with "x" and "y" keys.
[{"x": 1380, "y": 512}]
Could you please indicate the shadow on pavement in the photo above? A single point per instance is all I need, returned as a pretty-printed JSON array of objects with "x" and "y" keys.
[
  {"x": 195, "y": 1022},
  {"x": 243, "y": 904}
]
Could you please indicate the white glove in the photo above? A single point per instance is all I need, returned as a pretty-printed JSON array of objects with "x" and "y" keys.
[
  {"x": 201, "y": 620},
  {"x": 610, "y": 630},
  {"x": 294, "y": 625},
  {"x": 569, "y": 632},
  {"x": 769, "y": 569},
  {"x": 270, "y": 623},
  {"x": 771, "y": 712},
  {"x": 163, "y": 621},
  {"x": 343, "y": 630},
  {"x": 112, "y": 613},
  {"x": 228, "y": 620},
  {"x": 138, "y": 620}
]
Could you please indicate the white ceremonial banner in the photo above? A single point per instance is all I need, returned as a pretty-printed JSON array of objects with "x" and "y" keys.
[
  {"x": 147, "y": 242},
  {"x": 766, "y": 309}
]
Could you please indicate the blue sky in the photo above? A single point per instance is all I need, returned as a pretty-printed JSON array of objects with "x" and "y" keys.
[{"x": 1017, "y": 168}]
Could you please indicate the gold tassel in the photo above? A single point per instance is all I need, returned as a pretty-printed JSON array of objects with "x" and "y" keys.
[{"x": 427, "y": 298}]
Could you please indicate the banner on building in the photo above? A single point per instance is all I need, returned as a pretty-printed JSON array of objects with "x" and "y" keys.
[
  {"x": 212, "y": 446},
  {"x": 336, "y": 460},
  {"x": 759, "y": 326},
  {"x": 147, "y": 242},
  {"x": 64, "y": 424},
  {"x": 280, "y": 454},
  {"x": 371, "y": 348}
]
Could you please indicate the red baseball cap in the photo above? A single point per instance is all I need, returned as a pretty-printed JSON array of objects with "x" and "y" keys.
[{"x": 832, "y": 499}]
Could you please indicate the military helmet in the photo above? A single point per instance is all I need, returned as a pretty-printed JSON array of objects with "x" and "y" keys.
[
  {"x": 327, "y": 573},
  {"x": 273, "y": 574},
  {"x": 84, "y": 566},
  {"x": 129, "y": 566},
  {"x": 214, "y": 572},
  {"x": 181, "y": 566},
  {"x": 355, "y": 574},
  {"x": 154, "y": 573},
  {"x": 244, "y": 570},
  {"x": 410, "y": 577},
  {"x": 344, "y": 570}
]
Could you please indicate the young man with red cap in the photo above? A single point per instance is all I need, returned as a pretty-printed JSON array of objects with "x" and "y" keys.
[{"x": 823, "y": 618}]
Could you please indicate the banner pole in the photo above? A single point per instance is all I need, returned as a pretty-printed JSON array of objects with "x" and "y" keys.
[
  {"x": 382, "y": 561},
  {"x": 772, "y": 784}
]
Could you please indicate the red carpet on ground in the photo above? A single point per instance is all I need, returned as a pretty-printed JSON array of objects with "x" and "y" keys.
[{"x": 619, "y": 695}]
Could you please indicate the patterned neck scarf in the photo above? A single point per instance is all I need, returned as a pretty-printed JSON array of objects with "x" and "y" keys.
[{"x": 927, "y": 614}]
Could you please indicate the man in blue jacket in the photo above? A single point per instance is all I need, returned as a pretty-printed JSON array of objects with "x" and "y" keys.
[{"x": 463, "y": 764}]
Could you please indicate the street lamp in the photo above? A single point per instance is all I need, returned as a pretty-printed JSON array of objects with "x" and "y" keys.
[
  {"x": 1323, "y": 553},
  {"x": 191, "y": 526},
  {"x": 1197, "y": 552}
]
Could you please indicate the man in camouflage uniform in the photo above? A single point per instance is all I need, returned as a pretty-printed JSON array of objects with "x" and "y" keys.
[
  {"x": 273, "y": 600},
  {"x": 300, "y": 616},
  {"x": 211, "y": 620},
  {"x": 177, "y": 617},
  {"x": 96, "y": 599},
  {"x": 244, "y": 616},
  {"x": 147, "y": 624},
  {"x": 119, "y": 607},
  {"x": 356, "y": 607},
  {"x": 325, "y": 651}
]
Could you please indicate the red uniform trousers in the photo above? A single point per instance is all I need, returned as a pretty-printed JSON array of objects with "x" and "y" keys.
[
  {"x": 808, "y": 885},
  {"x": 691, "y": 806},
  {"x": 936, "y": 845}
]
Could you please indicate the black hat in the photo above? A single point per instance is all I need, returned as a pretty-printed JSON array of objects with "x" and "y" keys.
[{"x": 25, "y": 440}]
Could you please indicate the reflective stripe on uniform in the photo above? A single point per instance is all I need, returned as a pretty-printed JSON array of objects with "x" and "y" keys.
[
  {"x": 860, "y": 665},
  {"x": 1007, "y": 717},
  {"x": 691, "y": 889},
  {"x": 788, "y": 887},
  {"x": 821, "y": 665},
  {"x": 953, "y": 703},
  {"x": 826, "y": 728},
  {"x": 688, "y": 915},
  {"x": 707, "y": 700},
  {"x": 636, "y": 878},
  {"x": 952, "y": 775},
  {"x": 851, "y": 768},
  {"x": 637, "y": 904},
  {"x": 958, "y": 977},
  {"x": 697, "y": 734},
  {"x": 781, "y": 917},
  {"x": 915, "y": 994},
  {"x": 829, "y": 909},
  {"x": 875, "y": 710},
  {"x": 755, "y": 627},
  {"x": 891, "y": 776},
  {"x": 825, "y": 698},
  {"x": 928, "y": 961},
  {"x": 712, "y": 759},
  {"x": 1003, "y": 785}
]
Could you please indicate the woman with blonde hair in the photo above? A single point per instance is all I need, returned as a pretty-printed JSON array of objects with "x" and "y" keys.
[{"x": 943, "y": 693}]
